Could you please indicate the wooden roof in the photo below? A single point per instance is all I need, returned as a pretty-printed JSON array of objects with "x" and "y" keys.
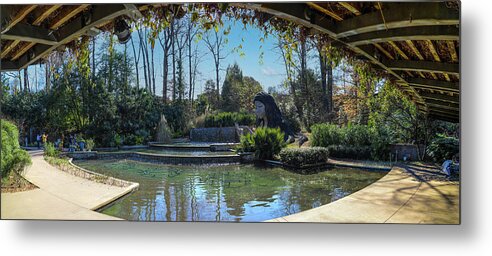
[{"x": 417, "y": 43}]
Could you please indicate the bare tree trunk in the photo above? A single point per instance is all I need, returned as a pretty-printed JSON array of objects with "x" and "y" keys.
[
  {"x": 153, "y": 70},
  {"x": 26, "y": 80},
  {"x": 143, "y": 54},
  {"x": 93, "y": 59},
  {"x": 303, "y": 56},
  {"x": 174, "y": 59},
  {"x": 47, "y": 76},
  {"x": 136, "y": 60}
]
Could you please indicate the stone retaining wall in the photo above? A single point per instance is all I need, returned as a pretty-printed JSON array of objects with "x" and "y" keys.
[
  {"x": 215, "y": 134},
  {"x": 160, "y": 159}
]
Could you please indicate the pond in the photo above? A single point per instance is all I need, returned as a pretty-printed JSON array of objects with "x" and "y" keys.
[{"x": 238, "y": 193}]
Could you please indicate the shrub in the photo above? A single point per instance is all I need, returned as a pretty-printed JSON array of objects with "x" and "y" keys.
[
  {"x": 247, "y": 143},
  {"x": 353, "y": 141},
  {"x": 226, "y": 119},
  {"x": 265, "y": 142},
  {"x": 357, "y": 135},
  {"x": 324, "y": 135},
  {"x": 443, "y": 148},
  {"x": 300, "y": 157},
  {"x": 49, "y": 150},
  {"x": 90, "y": 144},
  {"x": 12, "y": 156}
]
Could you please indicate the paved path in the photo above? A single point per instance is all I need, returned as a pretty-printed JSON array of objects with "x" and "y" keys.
[
  {"x": 398, "y": 197},
  {"x": 60, "y": 195}
]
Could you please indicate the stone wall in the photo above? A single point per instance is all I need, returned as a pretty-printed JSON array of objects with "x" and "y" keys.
[
  {"x": 158, "y": 158},
  {"x": 214, "y": 134}
]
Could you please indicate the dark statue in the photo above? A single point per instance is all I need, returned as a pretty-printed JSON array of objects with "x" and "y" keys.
[{"x": 268, "y": 115}]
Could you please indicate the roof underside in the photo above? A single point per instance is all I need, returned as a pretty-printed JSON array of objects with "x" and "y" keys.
[{"x": 416, "y": 43}]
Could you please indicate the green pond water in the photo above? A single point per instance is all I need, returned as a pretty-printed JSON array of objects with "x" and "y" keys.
[{"x": 245, "y": 193}]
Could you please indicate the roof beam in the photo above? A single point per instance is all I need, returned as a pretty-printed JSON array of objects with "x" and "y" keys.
[
  {"x": 19, "y": 16},
  {"x": 452, "y": 51},
  {"x": 23, "y": 50},
  {"x": 77, "y": 27},
  {"x": 46, "y": 12},
  {"x": 28, "y": 33},
  {"x": 440, "y": 97},
  {"x": 444, "y": 111},
  {"x": 442, "y": 104},
  {"x": 445, "y": 118},
  {"x": 434, "y": 84},
  {"x": 9, "y": 47},
  {"x": 399, "y": 15},
  {"x": 386, "y": 53},
  {"x": 350, "y": 7},
  {"x": 67, "y": 14},
  {"x": 7, "y": 65},
  {"x": 295, "y": 12},
  {"x": 408, "y": 33},
  {"x": 325, "y": 11},
  {"x": 423, "y": 66}
]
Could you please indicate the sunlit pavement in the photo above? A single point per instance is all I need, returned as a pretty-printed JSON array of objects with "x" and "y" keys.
[
  {"x": 60, "y": 196},
  {"x": 398, "y": 197}
]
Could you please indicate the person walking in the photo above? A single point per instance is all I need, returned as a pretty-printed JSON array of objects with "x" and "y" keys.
[
  {"x": 45, "y": 138},
  {"x": 38, "y": 140}
]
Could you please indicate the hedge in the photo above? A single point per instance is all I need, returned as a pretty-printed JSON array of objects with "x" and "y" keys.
[
  {"x": 226, "y": 119},
  {"x": 302, "y": 157},
  {"x": 353, "y": 141}
]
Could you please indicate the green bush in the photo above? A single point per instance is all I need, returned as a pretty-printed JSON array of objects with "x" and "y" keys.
[
  {"x": 90, "y": 144},
  {"x": 50, "y": 150},
  {"x": 300, "y": 157},
  {"x": 358, "y": 135},
  {"x": 12, "y": 156},
  {"x": 265, "y": 142},
  {"x": 353, "y": 141},
  {"x": 247, "y": 143},
  {"x": 443, "y": 148},
  {"x": 226, "y": 119},
  {"x": 324, "y": 135}
]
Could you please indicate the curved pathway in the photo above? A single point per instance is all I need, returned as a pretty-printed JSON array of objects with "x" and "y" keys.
[
  {"x": 402, "y": 196},
  {"x": 59, "y": 195}
]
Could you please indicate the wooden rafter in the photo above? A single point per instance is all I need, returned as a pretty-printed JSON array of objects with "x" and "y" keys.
[
  {"x": 403, "y": 55},
  {"x": 21, "y": 14},
  {"x": 9, "y": 47},
  {"x": 325, "y": 11},
  {"x": 67, "y": 14},
  {"x": 381, "y": 49},
  {"x": 45, "y": 14},
  {"x": 23, "y": 50},
  {"x": 416, "y": 52},
  {"x": 398, "y": 50},
  {"x": 423, "y": 66},
  {"x": 436, "y": 57},
  {"x": 398, "y": 15},
  {"x": 72, "y": 29},
  {"x": 350, "y": 7},
  {"x": 452, "y": 51}
]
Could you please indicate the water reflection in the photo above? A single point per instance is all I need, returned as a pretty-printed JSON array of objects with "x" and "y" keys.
[{"x": 224, "y": 193}]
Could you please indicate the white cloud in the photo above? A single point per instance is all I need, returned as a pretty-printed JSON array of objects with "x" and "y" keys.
[{"x": 269, "y": 71}]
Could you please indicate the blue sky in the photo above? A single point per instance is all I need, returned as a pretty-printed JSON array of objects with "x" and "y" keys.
[{"x": 270, "y": 72}]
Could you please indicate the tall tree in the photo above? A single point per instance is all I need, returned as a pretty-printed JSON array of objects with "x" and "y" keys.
[{"x": 215, "y": 42}]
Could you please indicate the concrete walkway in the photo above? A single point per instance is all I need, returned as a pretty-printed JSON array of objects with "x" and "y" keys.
[
  {"x": 60, "y": 196},
  {"x": 398, "y": 197}
]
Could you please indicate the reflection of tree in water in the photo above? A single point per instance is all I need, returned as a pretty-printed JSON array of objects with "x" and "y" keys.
[{"x": 225, "y": 193}]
